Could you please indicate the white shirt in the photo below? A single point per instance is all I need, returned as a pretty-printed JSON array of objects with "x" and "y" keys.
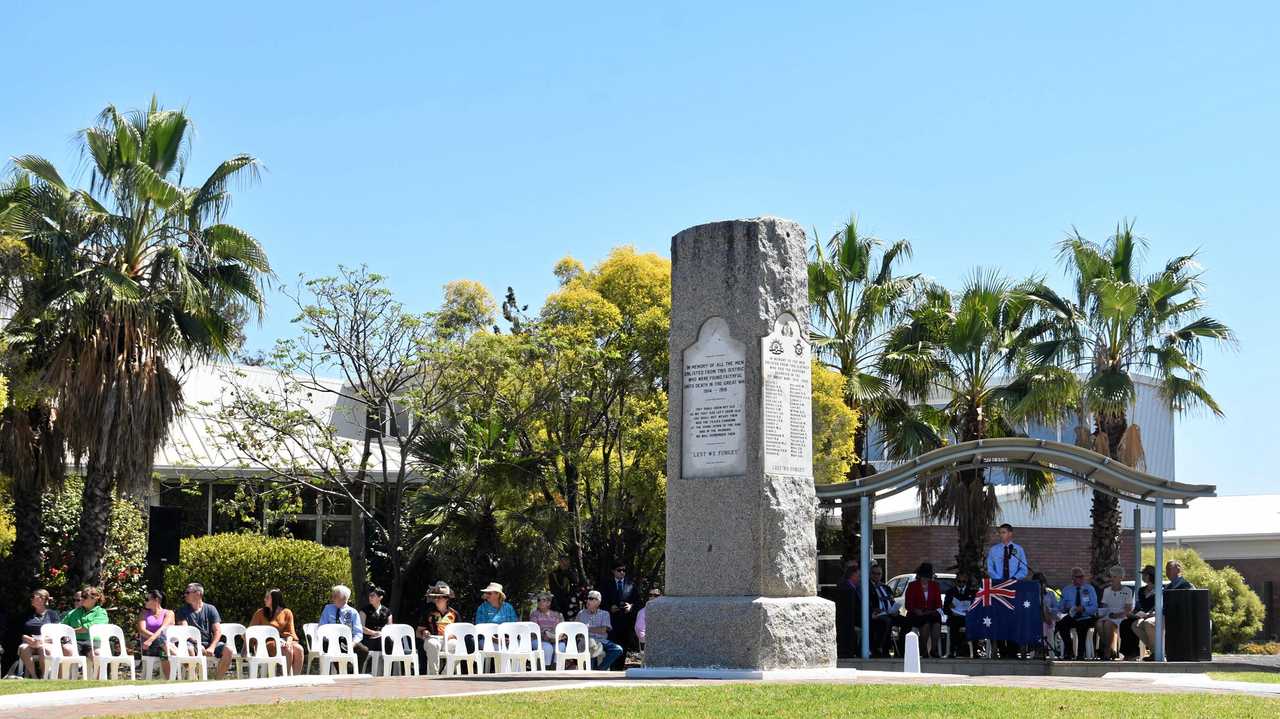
[{"x": 1114, "y": 601}]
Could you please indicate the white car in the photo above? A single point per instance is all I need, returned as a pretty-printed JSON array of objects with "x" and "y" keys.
[{"x": 898, "y": 585}]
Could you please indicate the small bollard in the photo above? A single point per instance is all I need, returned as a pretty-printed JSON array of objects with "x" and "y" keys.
[{"x": 911, "y": 653}]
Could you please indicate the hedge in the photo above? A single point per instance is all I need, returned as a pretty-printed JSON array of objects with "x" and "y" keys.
[
  {"x": 1235, "y": 610},
  {"x": 238, "y": 569}
]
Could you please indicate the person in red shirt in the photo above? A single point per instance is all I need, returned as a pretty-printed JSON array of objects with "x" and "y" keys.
[{"x": 924, "y": 605}]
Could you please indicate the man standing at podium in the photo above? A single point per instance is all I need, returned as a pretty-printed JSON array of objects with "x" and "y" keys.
[{"x": 1006, "y": 560}]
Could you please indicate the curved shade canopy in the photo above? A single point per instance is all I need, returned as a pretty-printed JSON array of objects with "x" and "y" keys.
[{"x": 1065, "y": 460}]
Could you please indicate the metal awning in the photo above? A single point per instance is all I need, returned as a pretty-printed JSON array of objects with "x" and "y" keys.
[{"x": 1066, "y": 460}]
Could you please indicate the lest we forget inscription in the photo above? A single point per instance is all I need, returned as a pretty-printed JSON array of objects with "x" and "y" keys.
[
  {"x": 786, "y": 400},
  {"x": 714, "y": 404}
]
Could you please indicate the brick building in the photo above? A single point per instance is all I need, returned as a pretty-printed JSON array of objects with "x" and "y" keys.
[{"x": 1241, "y": 532}]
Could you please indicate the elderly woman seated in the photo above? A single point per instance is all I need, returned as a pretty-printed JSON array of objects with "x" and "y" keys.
[
  {"x": 923, "y": 602},
  {"x": 340, "y": 611},
  {"x": 546, "y": 618}
]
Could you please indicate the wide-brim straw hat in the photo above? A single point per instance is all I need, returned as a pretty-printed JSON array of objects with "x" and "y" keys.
[
  {"x": 440, "y": 589},
  {"x": 495, "y": 588}
]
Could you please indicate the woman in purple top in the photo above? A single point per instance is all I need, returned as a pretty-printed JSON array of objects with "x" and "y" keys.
[
  {"x": 41, "y": 614},
  {"x": 151, "y": 627}
]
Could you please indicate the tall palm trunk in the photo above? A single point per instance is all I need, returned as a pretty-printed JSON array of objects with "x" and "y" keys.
[
  {"x": 975, "y": 505},
  {"x": 33, "y": 456},
  {"x": 1104, "y": 537}
]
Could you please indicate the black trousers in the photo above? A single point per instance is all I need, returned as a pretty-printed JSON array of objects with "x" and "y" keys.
[
  {"x": 881, "y": 626},
  {"x": 1082, "y": 625},
  {"x": 955, "y": 625}
]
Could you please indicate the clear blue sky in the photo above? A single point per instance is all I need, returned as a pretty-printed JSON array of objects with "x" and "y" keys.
[{"x": 435, "y": 143}]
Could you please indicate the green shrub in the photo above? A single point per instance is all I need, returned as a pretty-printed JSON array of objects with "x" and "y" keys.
[
  {"x": 122, "y": 565},
  {"x": 238, "y": 569},
  {"x": 1262, "y": 648},
  {"x": 1234, "y": 608}
]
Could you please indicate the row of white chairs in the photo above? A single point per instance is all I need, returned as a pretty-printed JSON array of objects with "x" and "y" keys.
[{"x": 482, "y": 648}]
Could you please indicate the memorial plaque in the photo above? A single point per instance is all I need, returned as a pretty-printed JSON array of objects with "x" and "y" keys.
[
  {"x": 787, "y": 400},
  {"x": 715, "y": 372}
]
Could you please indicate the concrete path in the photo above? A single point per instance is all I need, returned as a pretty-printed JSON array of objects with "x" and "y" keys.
[{"x": 91, "y": 702}]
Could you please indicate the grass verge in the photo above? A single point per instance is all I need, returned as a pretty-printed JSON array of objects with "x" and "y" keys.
[
  {"x": 771, "y": 700},
  {"x": 1258, "y": 677}
]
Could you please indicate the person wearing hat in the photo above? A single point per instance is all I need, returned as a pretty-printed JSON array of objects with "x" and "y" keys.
[
  {"x": 642, "y": 620},
  {"x": 494, "y": 609},
  {"x": 598, "y": 627},
  {"x": 435, "y": 619},
  {"x": 924, "y": 609},
  {"x": 1117, "y": 602},
  {"x": 547, "y": 619}
]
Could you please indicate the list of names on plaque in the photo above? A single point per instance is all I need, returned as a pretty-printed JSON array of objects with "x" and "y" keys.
[
  {"x": 714, "y": 403},
  {"x": 787, "y": 400}
]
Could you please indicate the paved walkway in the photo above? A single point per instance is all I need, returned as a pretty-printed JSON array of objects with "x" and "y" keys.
[{"x": 415, "y": 687}]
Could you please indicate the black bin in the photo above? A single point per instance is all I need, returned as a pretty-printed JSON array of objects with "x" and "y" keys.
[{"x": 1187, "y": 637}]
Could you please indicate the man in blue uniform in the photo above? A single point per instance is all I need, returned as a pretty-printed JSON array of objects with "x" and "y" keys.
[{"x": 1006, "y": 560}]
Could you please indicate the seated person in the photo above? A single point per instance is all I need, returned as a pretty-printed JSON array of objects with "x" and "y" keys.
[
  {"x": 152, "y": 622},
  {"x": 1117, "y": 602},
  {"x": 435, "y": 619},
  {"x": 494, "y": 609},
  {"x": 598, "y": 626},
  {"x": 1141, "y": 623},
  {"x": 339, "y": 611},
  {"x": 198, "y": 613},
  {"x": 373, "y": 618},
  {"x": 923, "y": 603},
  {"x": 642, "y": 617},
  {"x": 883, "y": 618},
  {"x": 273, "y": 612},
  {"x": 1079, "y": 605},
  {"x": 956, "y": 607},
  {"x": 89, "y": 613},
  {"x": 547, "y": 620},
  {"x": 1173, "y": 570},
  {"x": 1048, "y": 611},
  {"x": 41, "y": 614}
]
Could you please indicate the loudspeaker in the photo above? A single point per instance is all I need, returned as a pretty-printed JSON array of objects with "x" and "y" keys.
[
  {"x": 165, "y": 535},
  {"x": 1187, "y": 636}
]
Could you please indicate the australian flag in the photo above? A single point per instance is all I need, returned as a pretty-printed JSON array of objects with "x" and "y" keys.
[{"x": 1007, "y": 611}]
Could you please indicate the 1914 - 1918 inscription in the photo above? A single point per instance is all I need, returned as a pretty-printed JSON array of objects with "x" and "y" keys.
[
  {"x": 786, "y": 398},
  {"x": 713, "y": 437}
]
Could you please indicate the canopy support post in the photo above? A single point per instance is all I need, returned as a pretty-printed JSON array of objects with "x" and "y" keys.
[
  {"x": 864, "y": 562},
  {"x": 1158, "y": 650}
]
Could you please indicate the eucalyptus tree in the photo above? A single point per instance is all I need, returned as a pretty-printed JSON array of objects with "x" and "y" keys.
[
  {"x": 152, "y": 291},
  {"x": 1119, "y": 325},
  {"x": 960, "y": 365}
]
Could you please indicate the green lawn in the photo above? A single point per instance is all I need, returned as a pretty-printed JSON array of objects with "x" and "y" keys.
[
  {"x": 23, "y": 686},
  {"x": 1261, "y": 677},
  {"x": 773, "y": 700}
]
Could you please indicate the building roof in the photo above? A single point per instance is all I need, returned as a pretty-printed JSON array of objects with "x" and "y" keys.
[
  {"x": 1067, "y": 506},
  {"x": 1216, "y": 517},
  {"x": 197, "y": 448}
]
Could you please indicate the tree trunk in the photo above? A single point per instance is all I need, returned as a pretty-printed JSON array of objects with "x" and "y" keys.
[
  {"x": 575, "y": 519},
  {"x": 95, "y": 522},
  {"x": 972, "y": 523},
  {"x": 359, "y": 558},
  {"x": 1104, "y": 537},
  {"x": 33, "y": 455}
]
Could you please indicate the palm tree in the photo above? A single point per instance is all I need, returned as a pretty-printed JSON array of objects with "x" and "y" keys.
[
  {"x": 153, "y": 290},
  {"x": 1121, "y": 324},
  {"x": 963, "y": 374},
  {"x": 39, "y": 229},
  {"x": 854, "y": 299}
]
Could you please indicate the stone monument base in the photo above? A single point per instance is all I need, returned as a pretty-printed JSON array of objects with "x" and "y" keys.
[{"x": 753, "y": 634}]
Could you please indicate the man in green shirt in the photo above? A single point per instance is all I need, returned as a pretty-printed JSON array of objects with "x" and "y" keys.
[{"x": 89, "y": 613}]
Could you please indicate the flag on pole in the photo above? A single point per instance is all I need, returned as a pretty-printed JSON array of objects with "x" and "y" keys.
[{"x": 1005, "y": 611}]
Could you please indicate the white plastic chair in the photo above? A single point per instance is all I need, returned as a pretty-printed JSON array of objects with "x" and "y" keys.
[
  {"x": 1088, "y": 642},
  {"x": 337, "y": 649},
  {"x": 573, "y": 643},
  {"x": 233, "y": 635},
  {"x": 186, "y": 653},
  {"x": 313, "y": 649},
  {"x": 57, "y": 664},
  {"x": 489, "y": 646},
  {"x": 257, "y": 641},
  {"x": 521, "y": 646},
  {"x": 461, "y": 648},
  {"x": 105, "y": 658},
  {"x": 399, "y": 648}
]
